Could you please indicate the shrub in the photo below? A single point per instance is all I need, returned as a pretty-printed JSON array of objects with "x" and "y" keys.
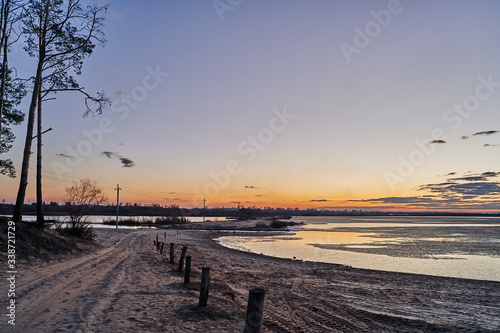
[
  {"x": 171, "y": 220},
  {"x": 81, "y": 200}
]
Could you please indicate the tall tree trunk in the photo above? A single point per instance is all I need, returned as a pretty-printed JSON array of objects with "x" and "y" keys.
[
  {"x": 3, "y": 48},
  {"x": 2, "y": 86},
  {"x": 23, "y": 183},
  {"x": 39, "y": 200}
]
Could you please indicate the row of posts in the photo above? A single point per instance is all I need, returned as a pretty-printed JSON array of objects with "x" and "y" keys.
[{"x": 255, "y": 307}]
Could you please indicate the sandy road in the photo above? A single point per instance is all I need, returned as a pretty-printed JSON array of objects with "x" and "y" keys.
[{"x": 84, "y": 294}]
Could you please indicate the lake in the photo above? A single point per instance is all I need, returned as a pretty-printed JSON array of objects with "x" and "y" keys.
[
  {"x": 101, "y": 218},
  {"x": 464, "y": 247}
]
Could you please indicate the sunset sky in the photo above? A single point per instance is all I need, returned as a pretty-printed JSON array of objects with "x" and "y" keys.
[{"x": 338, "y": 104}]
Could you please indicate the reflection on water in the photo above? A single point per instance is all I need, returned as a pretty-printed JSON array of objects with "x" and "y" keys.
[{"x": 453, "y": 248}]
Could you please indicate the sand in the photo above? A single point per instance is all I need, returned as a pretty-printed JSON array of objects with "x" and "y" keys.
[{"x": 126, "y": 286}]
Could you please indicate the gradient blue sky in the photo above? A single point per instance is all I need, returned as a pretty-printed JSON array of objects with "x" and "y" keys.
[{"x": 354, "y": 122}]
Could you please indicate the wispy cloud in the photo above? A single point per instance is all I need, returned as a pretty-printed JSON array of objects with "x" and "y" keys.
[
  {"x": 473, "y": 190},
  {"x": 319, "y": 200},
  {"x": 486, "y": 133},
  {"x": 65, "y": 155},
  {"x": 479, "y": 191},
  {"x": 471, "y": 186},
  {"x": 126, "y": 162}
]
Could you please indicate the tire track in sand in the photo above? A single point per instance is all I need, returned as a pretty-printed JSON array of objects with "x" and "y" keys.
[{"x": 43, "y": 297}]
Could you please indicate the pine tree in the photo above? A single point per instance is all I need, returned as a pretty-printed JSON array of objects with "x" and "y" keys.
[{"x": 60, "y": 35}]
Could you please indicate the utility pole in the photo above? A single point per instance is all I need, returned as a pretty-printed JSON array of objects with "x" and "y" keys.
[
  {"x": 117, "y": 189},
  {"x": 204, "y": 209}
]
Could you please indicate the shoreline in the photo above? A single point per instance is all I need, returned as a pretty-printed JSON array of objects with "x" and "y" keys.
[
  {"x": 365, "y": 298},
  {"x": 127, "y": 286}
]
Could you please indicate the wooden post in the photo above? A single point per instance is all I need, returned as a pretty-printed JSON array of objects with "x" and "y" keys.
[
  {"x": 254, "y": 310},
  {"x": 172, "y": 253},
  {"x": 165, "y": 234},
  {"x": 181, "y": 260},
  {"x": 157, "y": 246},
  {"x": 187, "y": 272},
  {"x": 161, "y": 247},
  {"x": 157, "y": 238},
  {"x": 205, "y": 285}
]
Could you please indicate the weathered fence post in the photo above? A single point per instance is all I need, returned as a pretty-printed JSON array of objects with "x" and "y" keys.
[
  {"x": 181, "y": 260},
  {"x": 187, "y": 271},
  {"x": 205, "y": 285},
  {"x": 254, "y": 310},
  {"x": 165, "y": 234},
  {"x": 157, "y": 246},
  {"x": 172, "y": 253},
  {"x": 161, "y": 247},
  {"x": 157, "y": 238}
]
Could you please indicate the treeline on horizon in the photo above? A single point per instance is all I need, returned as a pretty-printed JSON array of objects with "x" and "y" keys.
[{"x": 54, "y": 208}]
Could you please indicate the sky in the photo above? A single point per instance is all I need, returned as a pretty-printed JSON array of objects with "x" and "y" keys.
[{"x": 379, "y": 105}]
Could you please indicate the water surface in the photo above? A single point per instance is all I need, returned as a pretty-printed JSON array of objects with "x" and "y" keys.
[{"x": 462, "y": 247}]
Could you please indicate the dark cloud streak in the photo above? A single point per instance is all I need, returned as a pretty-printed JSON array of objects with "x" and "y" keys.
[
  {"x": 65, "y": 155},
  {"x": 486, "y": 133},
  {"x": 126, "y": 162}
]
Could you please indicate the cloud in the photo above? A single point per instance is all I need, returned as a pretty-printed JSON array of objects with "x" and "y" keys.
[
  {"x": 490, "y": 174},
  {"x": 490, "y": 145},
  {"x": 468, "y": 179},
  {"x": 438, "y": 141},
  {"x": 64, "y": 155},
  {"x": 126, "y": 162},
  {"x": 486, "y": 133},
  {"x": 479, "y": 191},
  {"x": 475, "y": 177},
  {"x": 396, "y": 200},
  {"x": 109, "y": 154},
  {"x": 319, "y": 200},
  {"x": 475, "y": 189}
]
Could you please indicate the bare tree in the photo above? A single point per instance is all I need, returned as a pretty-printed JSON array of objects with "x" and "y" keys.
[
  {"x": 60, "y": 34},
  {"x": 81, "y": 200}
]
